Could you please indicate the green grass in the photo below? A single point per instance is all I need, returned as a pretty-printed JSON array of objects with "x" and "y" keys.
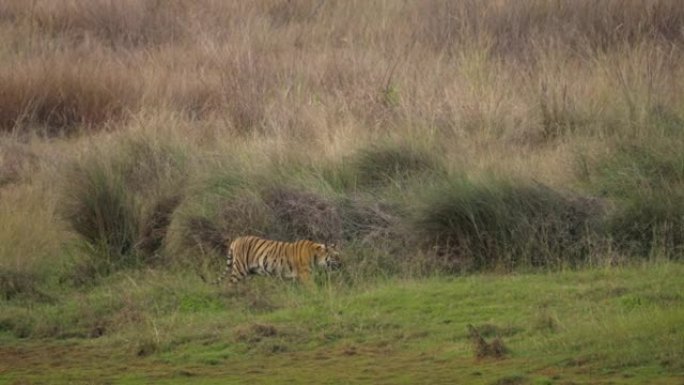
[
  {"x": 618, "y": 325},
  {"x": 644, "y": 179}
]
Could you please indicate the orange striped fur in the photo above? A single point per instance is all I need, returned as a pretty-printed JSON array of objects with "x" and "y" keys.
[{"x": 253, "y": 255}]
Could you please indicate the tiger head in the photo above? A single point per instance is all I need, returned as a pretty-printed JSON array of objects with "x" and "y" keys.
[{"x": 327, "y": 256}]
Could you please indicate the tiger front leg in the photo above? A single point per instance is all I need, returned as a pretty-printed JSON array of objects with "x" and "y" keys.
[
  {"x": 305, "y": 278},
  {"x": 234, "y": 280}
]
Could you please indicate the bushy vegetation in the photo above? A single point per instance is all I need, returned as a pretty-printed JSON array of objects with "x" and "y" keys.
[
  {"x": 645, "y": 181},
  {"x": 120, "y": 203},
  {"x": 496, "y": 223}
]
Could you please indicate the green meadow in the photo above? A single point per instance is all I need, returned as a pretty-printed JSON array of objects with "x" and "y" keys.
[{"x": 609, "y": 325}]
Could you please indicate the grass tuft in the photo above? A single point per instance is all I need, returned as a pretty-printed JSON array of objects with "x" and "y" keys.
[
  {"x": 255, "y": 332},
  {"x": 155, "y": 224},
  {"x": 645, "y": 180},
  {"x": 380, "y": 165},
  {"x": 18, "y": 284},
  {"x": 484, "y": 349},
  {"x": 15, "y": 159},
  {"x": 99, "y": 209},
  {"x": 303, "y": 214},
  {"x": 121, "y": 205},
  {"x": 370, "y": 221},
  {"x": 497, "y": 223}
]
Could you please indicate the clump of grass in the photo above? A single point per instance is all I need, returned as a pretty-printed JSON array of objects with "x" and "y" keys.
[
  {"x": 228, "y": 204},
  {"x": 651, "y": 224},
  {"x": 121, "y": 204},
  {"x": 219, "y": 205},
  {"x": 645, "y": 180},
  {"x": 99, "y": 208},
  {"x": 202, "y": 234},
  {"x": 155, "y": 224},
  {"x": 14, "y": 160},
  {"x": 202, "y": 237},
  {"x": 369, "y": 221},
  {"x": 275, "y": 212},
  {"x": 559, "y": 115},
  {"x": 484, "y": 349},
  {"x": 378, "y": 241},
  {"x": 147, "y": 347},
  {"x": 253, "y": 333},
  {"x": 18, "y": 284},
  {"x": 647, "y": 166},
  {"x": 304, "y": 214},
  {"x": 380, "y": 165},
  {"x": 83, "y": 270},
  {"x": 496, "y": 223},
  {"x": 264, "y": 338}
]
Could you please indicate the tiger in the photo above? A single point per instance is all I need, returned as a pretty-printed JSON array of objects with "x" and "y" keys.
[{"x": 253, "y": 255}]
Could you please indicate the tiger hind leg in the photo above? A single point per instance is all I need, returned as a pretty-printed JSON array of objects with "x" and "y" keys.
[
  {"x": 227, "y": 269},
  {"x": 236, "y": 275}
]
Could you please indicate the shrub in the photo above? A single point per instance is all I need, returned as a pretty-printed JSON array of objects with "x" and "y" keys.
[
  {"x": 640, "y": 168},
  {"x": 652, "y": 224},
  {"x": 227, "y": 205},
  {"x": 18, "y": 284},
  {"x": 274, "y": 212},
  {"x": 203, "y": 234},
  {"x": 303, "y": 214},
  {"x": 99, "y": 209},
  {"x": 484, "y": 349},
  {"x": 646, "y": 181},
  {"x": 368, "y": 220},
  {"x": 14, "y": 158},
  {"x": 155, "y": 224},
  {"x": 121, "y": 203},
  {"x": 217, "y": 205},
  {"x": 495, "y": 223}
]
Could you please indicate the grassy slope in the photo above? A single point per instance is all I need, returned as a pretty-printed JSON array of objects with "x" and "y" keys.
[{"x": 617, "y": 325}]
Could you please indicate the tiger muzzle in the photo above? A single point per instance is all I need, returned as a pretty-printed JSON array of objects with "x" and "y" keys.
[{"x": 334, "y": 264}]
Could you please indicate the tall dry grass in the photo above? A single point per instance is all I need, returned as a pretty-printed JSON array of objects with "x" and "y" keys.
[{"x": 295, "y": 92}]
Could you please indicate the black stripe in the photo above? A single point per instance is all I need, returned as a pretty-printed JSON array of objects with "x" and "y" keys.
[
  {"x": 248, "y": 253},
  {"x": 279, "y": 249},
  {"x": 259, "y": 250},
  {"x": 272, "y": 257},
  {"x": 277, "y": 256},
  {"x": 300, "y": 252},
  {"x": 289, "y": 255}
]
